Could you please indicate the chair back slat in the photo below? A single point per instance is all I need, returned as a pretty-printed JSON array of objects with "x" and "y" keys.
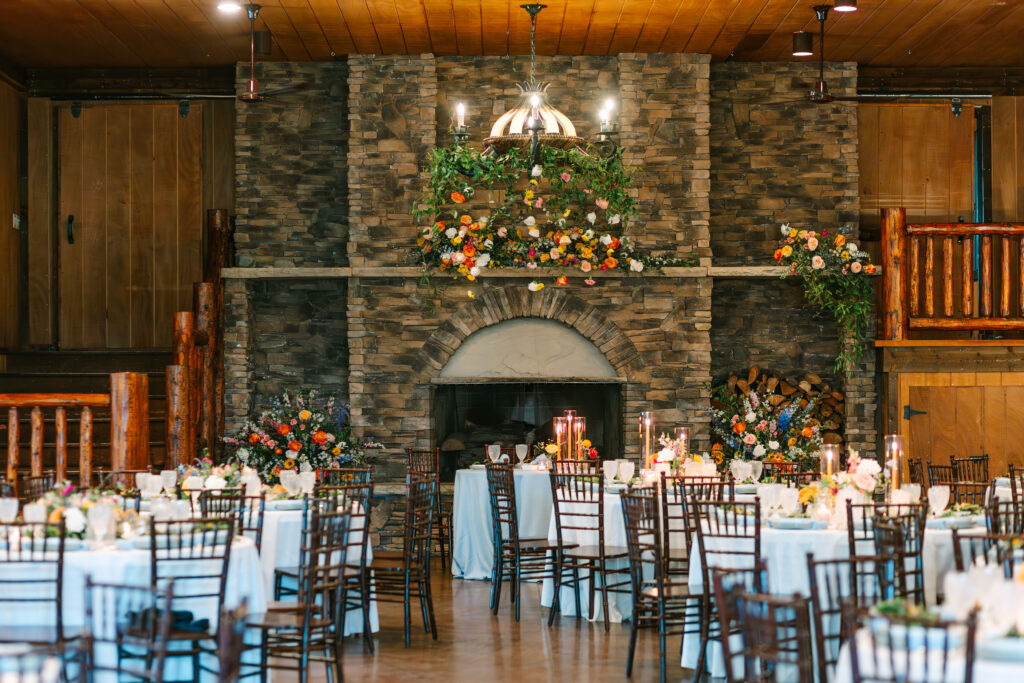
[
  {"x": 728, "y": 534},
  {"x": 901, "y": 537},
  {"x": 1004, "y": 516},
  {"x": 998, "y": 550},
  {"x": 35, "y": 553}
]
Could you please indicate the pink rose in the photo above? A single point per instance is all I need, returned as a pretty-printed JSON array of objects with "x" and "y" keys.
[
  {"x": 863, "y": 481},
  {"x": 856, "y": 266},
  {"x": 554, "y": 254},
  {"x": 812, "y": 243},
  {"x": 585, "y": 266},
  {"x": 539, "y": 203},
  {"x": 589, "y": 282},
  {"x": 602, "y": 203},
  {"x": 749, "y": 439},
  {"x": 817, "y": 263},
  {"x": 502, "y": 231},
  {"x": 565, "y": 176}
]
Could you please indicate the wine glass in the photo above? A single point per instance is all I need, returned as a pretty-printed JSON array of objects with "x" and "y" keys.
[
  {"x": 522, "y": 450},
  {"x": 494, "y": 452},
  {"x": 252, "y": 484},
  {"x": 938, "y": 499},
  {"x": 611, "y": 468},
  {"x": 8, "y": 510},
  {"x": 169, "y": 480},
  {"x": 626, "y": 470},
  {"x": 307, "y": 481},
  {"x": 161, "y": 509},
  {"x": 756, "y": 468},
  {"x": 99, "y": 517},
  {"x": 34, "y": 513},
  {"x": 290, "y": 481},
  {"x": 914, "y": 491},
  {"x": 153, "y": 485}
]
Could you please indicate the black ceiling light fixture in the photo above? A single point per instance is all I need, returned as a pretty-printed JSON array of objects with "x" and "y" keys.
[
  {"x": 803, "y": 46},
  {"x": 845, "y": 6}
]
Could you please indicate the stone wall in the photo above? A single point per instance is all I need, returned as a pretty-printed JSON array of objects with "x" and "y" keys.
[{"x": 291, "y": 161}]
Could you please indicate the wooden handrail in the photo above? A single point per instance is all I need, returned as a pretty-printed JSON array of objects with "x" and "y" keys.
[
  {"x": 129, "y": 427},
  {"x": 909, "y": 304}
]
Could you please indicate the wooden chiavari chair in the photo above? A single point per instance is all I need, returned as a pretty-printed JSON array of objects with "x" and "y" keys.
[
  {"x": 7, "y": 490},
  {"x": 33, "y": 488},
  {"x": 974, "y": 468},
  {"x": 291, "y": 638},
  {"x": 798, "y": 479},
  {"x": 941, "y": 475},
  {"x": 971, "y": 492},
  {"x": 356, "y": 499},
  {"x": 117, "y": 480},
  {"x": 31, "y": 665},
  {"x": 196, "y": 554},
  {"x": 407, "y": 578},
  {"x": 772, "y": 470},
  {"x": 247, "y": 511},
  {"x": 775, "y": 633},
  {"x": 860, "y": 519},
  {"x": 578, "y": 497},
  {"x": 231, "y": 642},
  {"x": 343, "y": 476},
  {"x": 1004, "y": 517},
  {"x": 901, "y": 537},
  {"x": 833, "y": 583},
  {"x": 678, "y": 524},
  {"x": 1001, "y": 550},
  {"x": 1016, "y": 483},
  {"x": 515, "y": 558},
  {"x": 896, "y": 649},
  {"x": 429, "y": 462},
  {"x": 34, "y": 552},
  {"x": 728, "y": 537},
  {"x": 915, "y": 470},
  {"x": 131, "y": 621}
]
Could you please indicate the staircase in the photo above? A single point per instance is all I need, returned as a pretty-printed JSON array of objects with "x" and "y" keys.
[{"x": 83, "y": 371}]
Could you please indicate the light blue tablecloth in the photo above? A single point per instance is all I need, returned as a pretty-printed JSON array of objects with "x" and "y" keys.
[{"x": 472, "y": 550}]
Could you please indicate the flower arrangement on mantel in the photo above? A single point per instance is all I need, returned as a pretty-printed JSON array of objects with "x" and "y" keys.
[
  {"x": 299, "y": 431},
  {"x": 566, "y": 212},
  {"x": 836, "y": 277}
]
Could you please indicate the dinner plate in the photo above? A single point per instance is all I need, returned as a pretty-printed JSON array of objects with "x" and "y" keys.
[
  {"x": 746, "y": 489},
  {"x": 285, "y": 504},
  {"x": 796, "y": 523},
  {"x": 1004, "y": 649}
]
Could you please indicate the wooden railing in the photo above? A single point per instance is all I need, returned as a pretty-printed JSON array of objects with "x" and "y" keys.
[
  {"x": 128, "y": 401},
  {"x": 963, "y": 294},
  {"x": 195, "y": 379}
]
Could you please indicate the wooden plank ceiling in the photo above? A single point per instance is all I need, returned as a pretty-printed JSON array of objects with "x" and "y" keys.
[{"x": 180, "y": 33}]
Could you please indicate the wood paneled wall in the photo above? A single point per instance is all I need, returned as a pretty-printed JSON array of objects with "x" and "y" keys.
[
  {"x": 1008, "y": 159},
  {"x": 11, "y": 102},
  {"x": 918, "y": 156},
  {"x": 42, "y": 187}
]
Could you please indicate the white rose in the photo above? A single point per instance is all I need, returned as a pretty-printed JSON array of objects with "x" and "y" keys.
[
  {"x": 774, "y": 445},
  {"x": 564, "y": 239},
  {"x": 591, "y": 217},
  {"x": 215, "y": 483},
  {"x": 483, "y": 259},
  {"x": 759, "y": 451},
  {"x": 534, "y": 232},
  {"x": 851, "y": 247},
  {"x": 242, "y": 453},
  {"x": 482, "y": 220},
  {"x": 588, "y": 235},
  {"x": 863, "y": 481},
  {"x": 614, "y": 220},
  {"x": 530, "y": 220},
  {"x": 532, "y": 286},
  {"x": 74, "y": 520},
  {"x": 458, "y": 257},
  {"x": 536, "y": 171},
  {"x": 751, "y": 417},
  {"x": 636, "y": 265},
  {"x": 450, "y": 233},
  {"x": 474, "y": 271},
  {"x": 606, "y": 240},
  {"x": 785, "y": 229},
  {"x": 666, "y": 455},
  {"x": 869, "y": 467}
]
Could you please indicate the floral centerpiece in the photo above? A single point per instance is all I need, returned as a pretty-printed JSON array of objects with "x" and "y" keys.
[
  {"x": 567, "y": 211},
  {"x": 71, "y": 504},
  {"x": 205, "y": 475},
  {"x": 752, "y": 429},
  {"x": 299, "y": 431},
  {"x": 857, "y": 482},
  {"x": 836, "y": 277}
]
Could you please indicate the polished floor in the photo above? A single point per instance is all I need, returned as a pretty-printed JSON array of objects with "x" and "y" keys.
[{"x": 473, "y": 645}]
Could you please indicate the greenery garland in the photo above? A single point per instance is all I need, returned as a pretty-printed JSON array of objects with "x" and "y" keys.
[
  {"x": 836, "y": 277},
  {"x": 502, "y": 211}
]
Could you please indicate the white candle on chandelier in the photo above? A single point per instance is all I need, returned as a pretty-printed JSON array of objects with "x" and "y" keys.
[
  {"x": 605, "y": 116},
  {"x": 460, "y": 115}
]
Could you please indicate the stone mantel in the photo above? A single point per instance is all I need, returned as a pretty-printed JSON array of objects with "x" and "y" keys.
[{"x": 299, "y": 273}]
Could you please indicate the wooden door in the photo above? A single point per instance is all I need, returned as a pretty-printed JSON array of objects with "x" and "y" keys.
[
  {"x": 964, "y": 414},
  {"x": 131, "y": 178}
]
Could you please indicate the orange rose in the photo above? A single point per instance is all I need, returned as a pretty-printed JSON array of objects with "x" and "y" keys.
[
  {"x": 739, "y": 428},
  {"x": 465, "y": 220},
  {"x": 840, "y": 240},
  {"x": 458, "y": 197},
  {"x": 611, "y": 262},
  {"x": 869, "y": 269},
  {"x": 319, "y": 436},
  {"x": 469, "y": 250},
  {"x": 562, "y": 280},
  {"x": 778, "y": 254},
  {"x": 294, "y": 446},
  {"x": 254, "y": 438},
  {"x": 284, "y": 430},
  {"x": 278, "y": 451},
  {"x": 807, "y": 432}
]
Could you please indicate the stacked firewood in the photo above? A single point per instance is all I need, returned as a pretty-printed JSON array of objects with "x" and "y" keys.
[{"x": 780, "y": 392}]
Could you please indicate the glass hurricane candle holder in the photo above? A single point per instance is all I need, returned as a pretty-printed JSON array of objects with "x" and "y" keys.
[
  {"x": 578, "y": 429},
  {"x": 561, "y": 434},
  {"x": 895, "y": 459},
  {"x": 829, "y": 457},
  {"x": 682, "y": 435},
  {"x": 646, "y": 424}
]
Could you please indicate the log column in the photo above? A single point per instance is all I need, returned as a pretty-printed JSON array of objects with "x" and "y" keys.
[
  {"x": 129, "y": 421},
  {"x": 894, "y": 243}
]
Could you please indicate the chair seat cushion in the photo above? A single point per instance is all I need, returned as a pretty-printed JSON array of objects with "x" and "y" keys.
[
  {"x": 592, "y": 552},
  {"x": 282, "y": 620}
]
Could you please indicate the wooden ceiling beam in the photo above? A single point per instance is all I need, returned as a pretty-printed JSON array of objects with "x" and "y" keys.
[
  {"x": 974, "y": 79},
  {"x": 60, "y": 83}
]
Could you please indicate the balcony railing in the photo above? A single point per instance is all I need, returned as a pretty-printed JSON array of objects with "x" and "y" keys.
[{"x": 944, "y": 276}]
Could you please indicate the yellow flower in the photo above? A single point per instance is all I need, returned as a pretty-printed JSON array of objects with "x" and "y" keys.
[
  {"x": 792, "y": 441},
  {"x": 305, "y": 414},
  {"x": 289, "y": 464},
  {"x": 471, "y": 295},
  {"x": 551, "y": 449},
  {"x": 845, "y": 254},
  {"x": 565, "y": 214},
  {"x": 529, "y": 194},
  {"x": 533, "y": 181},
  {"x": 802, "y": 234},
  {"x": 787, "y": 250},
  {"x": 470, "y": 277},
  {"x": 808, "y": 494},
  {"x": 585, "y": 443},
  {"x": 457, "y": 240},
  {"x": 335, "y": 451},
  {"x": 792, "y": 232},
  {"x": 545, "y": 257}
]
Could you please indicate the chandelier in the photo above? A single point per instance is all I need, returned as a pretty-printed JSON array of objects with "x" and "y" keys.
[{"x": 535, "y": 122}]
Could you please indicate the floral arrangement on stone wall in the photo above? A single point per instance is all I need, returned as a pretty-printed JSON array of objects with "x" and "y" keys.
[
  {"x": 301, "y": 431},
  {"x": 567, "y": 211},
  {"x": 836, "y": 277}
]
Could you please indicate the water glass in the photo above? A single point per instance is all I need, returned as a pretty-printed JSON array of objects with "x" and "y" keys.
[
  {"x": 626, "y": 470},
  {"x": 522, "y": 450},
  {"x": 938, "y": 499},
  {"x": 307, "y": 482},
  {"x": 161, "y": 509},
  {"x": 169, "y": 480},
  {"x": 8, "y": 510},
  {"x": 99, "y": 517},
  {"x": 494, "y": 452},
  {"x": 756, "y": 468},
  {"x": 35, "y": 513},
  {"x": 290, "y": 481},
  {"x": 611, "y": 468},
  {"x": 181, "y": 510},
  {"x": 914, "y": 491},
  {"x": 252, "y": 484}
]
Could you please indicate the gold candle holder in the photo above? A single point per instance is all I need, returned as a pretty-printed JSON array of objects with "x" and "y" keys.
[
  {"x": 561, "y": 433},
  {"x": 570, "y": 443},
  {"x": 578, "y": 428},
  {"x": 829, "y": 456},
  {"x": 895, "y": 454},
  {"x": 646, "y": 437}
]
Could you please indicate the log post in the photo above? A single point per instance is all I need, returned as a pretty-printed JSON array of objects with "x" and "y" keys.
[
  {"x": 129, "y": 421},
  {"x": 967, "y": 278},
  {"x": 985, "y": 287},
  {"x": 894, "y": 239},
  {"x": 219, "y": 228},
  {"x": 186, "y": 355},
  {"x": 180, "y": 430},
  {"x": 12, "y": 445},
  {"x": 60, "y": 458},
  {"x": 205, "y": 306},
  {"x": 1004, "y": 277},
  {"x": 36, "y": 448},
  {"x": 85, "y": 448},
  {"x": 947, "y": 277},
  {"x": 929, "y": 276},
  {"x": 914, "y": 293}
]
